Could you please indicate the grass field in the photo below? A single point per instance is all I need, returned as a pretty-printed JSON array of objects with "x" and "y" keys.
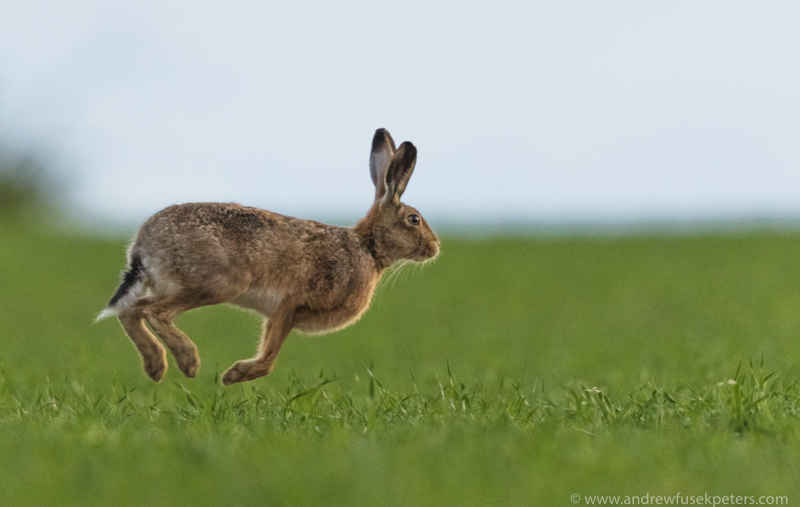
[{"x": 512, "y": 371}]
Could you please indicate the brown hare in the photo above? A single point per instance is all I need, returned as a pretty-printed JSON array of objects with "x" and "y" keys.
[{"x": 299, "y": 274}]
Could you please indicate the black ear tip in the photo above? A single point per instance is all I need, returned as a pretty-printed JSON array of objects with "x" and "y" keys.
[
  {"x": 408, "y": 149},
  {"x": 380, "y": 138}
]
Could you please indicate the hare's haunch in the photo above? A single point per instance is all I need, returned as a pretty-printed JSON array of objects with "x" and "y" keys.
[{"x": 297, "y": 273}]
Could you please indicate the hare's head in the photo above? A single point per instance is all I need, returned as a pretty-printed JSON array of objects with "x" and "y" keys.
[{"x": 399, "y": 231}]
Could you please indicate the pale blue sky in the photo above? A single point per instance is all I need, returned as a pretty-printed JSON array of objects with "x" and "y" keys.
[{"x": 520, "y": 110}]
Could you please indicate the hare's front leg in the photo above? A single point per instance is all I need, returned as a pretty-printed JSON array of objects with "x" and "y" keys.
[{"x": 276, "y": 329}]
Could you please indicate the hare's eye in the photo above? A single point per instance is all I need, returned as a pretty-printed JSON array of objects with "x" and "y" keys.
[{"x": 413, "y": 219}]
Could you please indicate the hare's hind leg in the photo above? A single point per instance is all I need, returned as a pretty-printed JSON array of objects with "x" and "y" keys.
[
  {"x": 153, "y": 353},
  {"x": 159, "y": 316},
  {"x": 276, "y": 329},
  {"x": 160, "y": 313}
]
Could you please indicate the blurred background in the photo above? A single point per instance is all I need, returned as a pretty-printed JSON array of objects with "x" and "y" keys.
[{"x": 523, "y": 112}]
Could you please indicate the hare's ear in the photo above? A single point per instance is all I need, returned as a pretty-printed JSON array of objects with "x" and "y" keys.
[
  {"x": 399, "y": 172},
  {"x": 379, "y": 158}
]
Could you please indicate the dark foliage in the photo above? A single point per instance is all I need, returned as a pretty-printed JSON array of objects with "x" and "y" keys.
[{"x": 25, "y": 188}]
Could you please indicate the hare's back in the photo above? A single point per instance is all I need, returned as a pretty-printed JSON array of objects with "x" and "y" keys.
[
  {"x": 187, "y": 238},
  {"x": 201, "y": 244},
  {"x": 226, "y": 221}
]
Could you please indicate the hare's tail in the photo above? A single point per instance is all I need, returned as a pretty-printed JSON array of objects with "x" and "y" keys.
[{"x": 131, "y": 280}]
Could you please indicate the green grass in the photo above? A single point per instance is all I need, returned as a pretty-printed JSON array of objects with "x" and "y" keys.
[{"x": 513, "y": 371}]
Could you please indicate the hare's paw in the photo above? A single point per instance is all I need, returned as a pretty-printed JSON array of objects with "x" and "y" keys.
[
  {"x": 232, "y": 376},
  {"x": 155, "y": 365},
  {"x": 188, "y": 361},
  {"x": 242, "y": 371}
]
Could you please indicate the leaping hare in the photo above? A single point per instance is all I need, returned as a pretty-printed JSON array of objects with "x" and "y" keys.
[{"x": 297, "y": 273}]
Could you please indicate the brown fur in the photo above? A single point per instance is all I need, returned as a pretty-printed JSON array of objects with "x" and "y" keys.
[{"x": 299, "y": 274}]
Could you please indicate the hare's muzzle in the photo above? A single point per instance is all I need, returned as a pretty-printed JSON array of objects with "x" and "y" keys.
[{"x": 428, "y": 252}]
